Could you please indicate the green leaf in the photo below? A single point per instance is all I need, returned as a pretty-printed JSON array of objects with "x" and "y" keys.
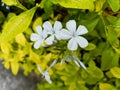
[
  {"x": 15, "y": 3},
  {"x": 115, "y": 71},
  {"x": 77, "y": 4},
  {"x": 117, "y": 83},
  {"x": 109, "y": 59},
  {"x": 94, "y": 18},
  {"x": 111, "y": 35},
  {"x": 106, "y": 86},
  {"x": 114, "y": 4},
  {"x": 16, "y": 25},
  {"x": 116, "y": 23},
  {"x": 93, "y": 75},
  {"x": 99, "y": 5},
  {"x": 48, "y": 7},
  {"x": 81, "y": 87},
  {"x": 90, "y": 47},
  {"x": 14, "y": 67},
  {"x": 2, "y": 17},
  {"x": 10, "y": 2}
]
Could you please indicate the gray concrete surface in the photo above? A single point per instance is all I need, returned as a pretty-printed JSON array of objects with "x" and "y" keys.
[{"x": 19, "y": 82}]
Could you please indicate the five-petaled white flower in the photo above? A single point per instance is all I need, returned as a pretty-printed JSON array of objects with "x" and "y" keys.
[
  {"x": 53, "y": 31},
  {"x": 74, "y": 35},
  {"x": 39, "y": 38}
]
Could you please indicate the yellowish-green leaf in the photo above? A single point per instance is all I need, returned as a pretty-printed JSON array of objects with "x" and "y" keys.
[
  {"x": 99, "y": 4},
  {"x": 6, "y": 64},
  {"x": 34, "y": 57},
  {"x": 90, "y": 46},
  {"x": 114, "y": 4},
  {"x": 19, "y": 55},
  {"x": 14, "y": 67},
  {"x": 78, "y": 4},
  {"x": 10, "y": 2},
  {"x": 20, "y": 39},
  {"x": 15, "y": 3},
  {"x": 60, "y": 67},
  {"x": 16, "y": 25},
  {"x": 72, "y": 86},
  {"x": 5, "y": 47},
  {"x": 37, "y": 22},
  {"x": 106, "y": 86},
  {"x": 109, "y": 74},
  {"x": 115, "y": 72}
]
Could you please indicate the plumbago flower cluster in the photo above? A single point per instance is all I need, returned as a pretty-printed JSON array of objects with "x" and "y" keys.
[{"x": 48, "y": 35}]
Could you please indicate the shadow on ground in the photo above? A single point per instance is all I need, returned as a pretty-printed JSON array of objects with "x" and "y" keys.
[{"x": 19, "y": 82}]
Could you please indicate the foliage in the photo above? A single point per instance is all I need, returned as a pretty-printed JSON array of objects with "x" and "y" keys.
[{"x": 18, "y": 19}]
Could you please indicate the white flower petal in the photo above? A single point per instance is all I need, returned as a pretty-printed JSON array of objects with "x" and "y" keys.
[
  {"x": 44, "y": 34},
  {"x": 71, "y": 25},
  {"x": 58, "y": 35},
  {"x": 38, "y": 44},
  {"x": 76, "y": 63},
  {"x": 62, "y": 61},
  {"x": 81, "y": 41},
  {"x": 53, "y": 63},
  {"x": 65, "y": 34},
  {"x": 39, "y": 30},
  {"x": 47, "y": 77},
  {"x": 82, "y": 65},
  {"x": 50, "y": 40},
  {"x": 72, "y": 44},
  {"x": 81, "y": 30},
  {"x": 47, "y": 26},
  {"x": 57, "y": 26},
  {"x": 40, "y": 70},
  {"x": 34, "y": 37}
]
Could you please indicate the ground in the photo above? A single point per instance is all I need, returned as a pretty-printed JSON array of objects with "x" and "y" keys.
[{"x": 19, "y": 82}]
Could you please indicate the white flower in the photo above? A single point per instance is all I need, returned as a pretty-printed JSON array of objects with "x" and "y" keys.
[
  {"x": 45, "y": 74},
  {"x": 74, "y": 35},
  {"x": 75, "y": 59},
  {"x": 38, "y": 38},
  {"x": 78, "y": 62},
  {"x": 53, "y": 31}
]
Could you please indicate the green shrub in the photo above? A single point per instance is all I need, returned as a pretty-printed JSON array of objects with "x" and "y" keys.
[{"x": 100, "y": 71}]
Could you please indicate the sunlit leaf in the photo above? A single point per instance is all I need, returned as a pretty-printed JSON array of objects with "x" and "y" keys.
[
  {"x": 7, "y": 64},
  {"x": 78, "y": 4},
  {"x": 6, "y": 48},
  {"x": 15, "y": 3},
  {"x": 34, "y": 57},
  {"x": 115, "y": 72},
  {"x": 106, "y": 86},
  {"x": 37, "y": 22},
  {"x": 90, "y": 46},
  {"x": 14, "y": 67},
  {"x": 99, "y": 4},
  {"x": 16, "y": 25},
  {"x": 20, "y": 39},
  {"x": 114, "y": 4}
]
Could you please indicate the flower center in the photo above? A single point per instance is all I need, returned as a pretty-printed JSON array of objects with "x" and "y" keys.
[
  {"x": 53, "y": 32},
  {"x": 74, "y": 34}
]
